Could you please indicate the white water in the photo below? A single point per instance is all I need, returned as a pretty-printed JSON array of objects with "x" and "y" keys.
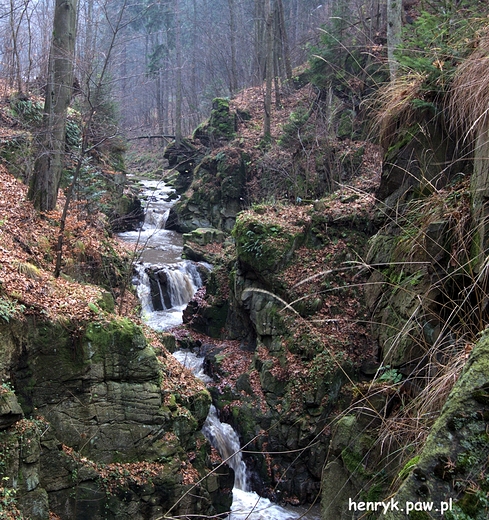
[
  {"x": 183, "y": 281},
  {"x": 161, "y": 251},
  {"x": 224, "y": 439},
  {"x": 247, "y": 505},
  {"x": 158, "y": 245}
]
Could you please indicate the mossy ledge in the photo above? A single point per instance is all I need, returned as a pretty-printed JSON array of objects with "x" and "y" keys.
[{"x": 93, "y": 425}]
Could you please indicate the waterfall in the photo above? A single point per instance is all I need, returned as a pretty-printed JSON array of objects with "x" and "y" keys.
[
  {"x": 159, "y": 245},
  {"x": 165, "y": 290},
  {"x": 226, "y": 441},
  {"x": 155, "y": 219},
  {"x": 165, "y": 284},
  {"x": 247, "y": 505}
]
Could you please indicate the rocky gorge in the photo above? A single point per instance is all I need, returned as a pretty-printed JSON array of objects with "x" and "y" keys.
[
  {"x": 342, "y": 327},
  {"x": 353, "y": 314}
]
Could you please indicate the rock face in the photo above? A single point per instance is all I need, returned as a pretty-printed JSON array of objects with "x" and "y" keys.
[
  {"x": 214, "y": 197},
  {"x": 418, "y": 163},
  {"x": 451, "y": 467},
  {"x": 220, "y": 127},
  {"x": 127, "y": 214},
  {"x": 111, "y": 434},
  {"x": 290, "y": 376},
  {"x": 211, "y": 178},
  {"x": 424, "y": 293}
]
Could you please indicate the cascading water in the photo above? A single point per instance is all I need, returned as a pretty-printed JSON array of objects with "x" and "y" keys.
[
  {"x": 224, "y": 439},
  {"x": 165, "y": 290},
  {"x": 165, "y": 284},
  {"x": 157, "y": 245},
  {"x": 247, "y": 505}
]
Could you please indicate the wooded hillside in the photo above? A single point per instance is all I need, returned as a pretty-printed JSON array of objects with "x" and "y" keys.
[{"x": 330, "y": 162}]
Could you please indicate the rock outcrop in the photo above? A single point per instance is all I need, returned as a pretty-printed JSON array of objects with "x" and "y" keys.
[
  {"x": 104, "y": 427},
  {"x": 450, "y": 470},
  {"x": 215, "y": 194},
  {"x": 280, "y": 396}
]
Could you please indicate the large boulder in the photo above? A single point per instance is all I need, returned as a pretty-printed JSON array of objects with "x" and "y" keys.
[
  {"x": 112, "y": 434},
  {"x": 214, "y": 196}
]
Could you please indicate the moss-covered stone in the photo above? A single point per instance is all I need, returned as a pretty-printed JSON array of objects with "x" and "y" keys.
[
  {"x": 264, "y": 245},
  {"x": 454, "y": 457},
  {"x": 220, "y": 126},
  {"x": 215, "y": 194}
]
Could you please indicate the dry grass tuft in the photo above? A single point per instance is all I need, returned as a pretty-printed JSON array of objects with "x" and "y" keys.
[
  {"x": 407, "y": 428},
  {"x": 469, "y": 99},
  {"x": 393, "y": 107}
]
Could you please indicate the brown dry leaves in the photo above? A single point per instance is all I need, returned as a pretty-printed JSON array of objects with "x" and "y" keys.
[
  {"x": 252, "y": 99},
  {"x": 27, "y": 254}
]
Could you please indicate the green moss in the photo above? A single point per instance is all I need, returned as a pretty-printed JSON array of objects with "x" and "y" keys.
[
  {"x": 9, "y": 444},
  {"x": 172, "y": 402},
  {"x": 221, "y": 124},
  {"x": 106, "y": 302},
  {"x": 198, "y": 404},
  {"x": 264, "y": 245},
  {"x": 375, "y": 492},
  {"x": 470, "y": 504},
  {"x": 481, "y": 395},
  {"x": 47, "y": 334},
  {"x": 353, "y": 462},
  {"x": 121, "y": 332},
  {"x": 408, "y": 467}
]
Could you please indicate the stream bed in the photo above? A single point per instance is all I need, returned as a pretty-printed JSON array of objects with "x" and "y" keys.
[{"x": 165, "y": 284}]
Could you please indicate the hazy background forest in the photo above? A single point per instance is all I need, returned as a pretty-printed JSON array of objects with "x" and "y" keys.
[{"x": 158, "y": 52}]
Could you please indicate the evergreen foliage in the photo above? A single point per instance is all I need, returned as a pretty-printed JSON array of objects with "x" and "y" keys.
[{"x": 439, "y": 40}]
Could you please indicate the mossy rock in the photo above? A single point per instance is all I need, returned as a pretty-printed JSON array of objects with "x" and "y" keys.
[
  {"x": 264, "y": 245},
  {"x": 454, "y": 457},
  {"x": 346, "y": 121},
  {"x": 204, "y": 236},
  {"x": 221, "y": 125},
  {"x": 214, "y": 196}
]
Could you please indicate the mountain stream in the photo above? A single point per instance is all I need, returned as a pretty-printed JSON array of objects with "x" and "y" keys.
[{"x": 165, "y": 284}]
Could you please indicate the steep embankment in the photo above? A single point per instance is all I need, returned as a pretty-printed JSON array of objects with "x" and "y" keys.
[
  {"x": 97, "y": 419},
  {"x": 357, "y": 300}
]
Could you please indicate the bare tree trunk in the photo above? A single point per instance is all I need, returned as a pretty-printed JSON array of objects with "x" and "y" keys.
[
  {"x": 394, "y": 25},
  {"x": 47, "y": 170},
  {"x": 159, "y": 103},
  {"x": 92, "y": 102},
  {"x": 269, "y": 72},
  {"x": 260, "y": 39},
  {"x": 16, "y": 77},
  {"x": 178, "y": 94},
  {"x": 283, "y": 39},
  {"x": 233, "y": 81}
]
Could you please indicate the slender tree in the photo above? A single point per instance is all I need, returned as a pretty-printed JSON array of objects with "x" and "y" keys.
[
  {"x": 47, "y": 171},
  {"x": 179, "y": 88},
  {"x": 394, "y": 26},
  {"x": 268, "y": 70},
  {"x": 233, "y": 76}
]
